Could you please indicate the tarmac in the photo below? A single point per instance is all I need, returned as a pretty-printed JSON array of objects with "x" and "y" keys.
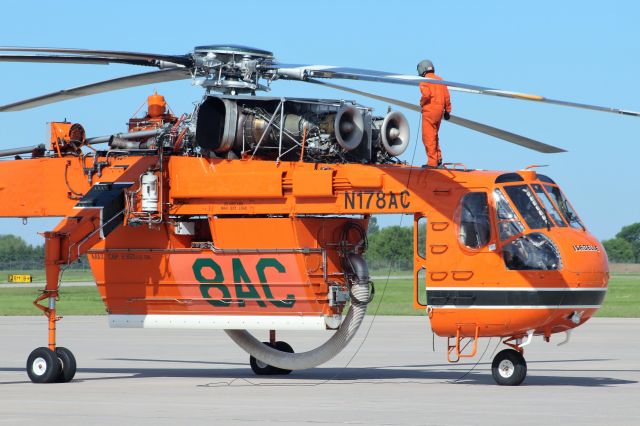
[{"x": 389, "y": 375}]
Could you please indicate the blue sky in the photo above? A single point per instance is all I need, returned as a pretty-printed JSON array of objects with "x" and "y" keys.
[{"x": 578, "y": 50}]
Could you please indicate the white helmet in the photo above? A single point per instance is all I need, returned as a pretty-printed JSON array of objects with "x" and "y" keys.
[{"x": 425, "y": 66}]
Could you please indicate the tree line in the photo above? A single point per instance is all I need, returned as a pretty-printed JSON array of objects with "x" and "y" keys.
[
  {"x": 389, "y": 247},
  {"x": 625, "y": 246},
  {"x": 14, "y": 249},
  {"x": 16, "y": 255}
]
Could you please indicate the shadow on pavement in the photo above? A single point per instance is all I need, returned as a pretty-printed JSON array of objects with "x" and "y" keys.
[{"x": 409, "y": 374}]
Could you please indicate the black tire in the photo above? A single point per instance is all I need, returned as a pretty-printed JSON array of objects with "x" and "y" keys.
[
  {"x": 260, "y": 368},
  {"x": 282, "y": 347},
  {"x": 68, "y": 363},
  {"x": 43, "y": 366},
  {"x": 509, "y": 368}
]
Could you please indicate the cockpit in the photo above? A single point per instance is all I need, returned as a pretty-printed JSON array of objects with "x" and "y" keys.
[{"x": 525, "y": 212}]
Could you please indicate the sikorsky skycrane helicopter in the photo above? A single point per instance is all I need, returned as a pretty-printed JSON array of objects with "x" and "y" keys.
[{"x": 251, "y": 213}]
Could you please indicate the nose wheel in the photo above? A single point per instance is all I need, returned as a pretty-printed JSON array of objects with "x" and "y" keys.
[
  {"x": 509, "y": 368},
  {"x": 47, "y": 366}
]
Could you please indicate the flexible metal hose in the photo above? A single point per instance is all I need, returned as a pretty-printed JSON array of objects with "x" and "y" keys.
[{"x": 332, "y": 347}]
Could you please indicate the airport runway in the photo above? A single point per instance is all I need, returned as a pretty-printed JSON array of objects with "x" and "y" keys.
[{"x": 155, "y": 377}]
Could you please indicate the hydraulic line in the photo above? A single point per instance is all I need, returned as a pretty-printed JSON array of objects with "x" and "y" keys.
[{"x": 298, "y": 361}]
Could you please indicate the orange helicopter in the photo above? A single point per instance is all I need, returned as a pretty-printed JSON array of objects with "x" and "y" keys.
[{"x": 251, "y": 213}]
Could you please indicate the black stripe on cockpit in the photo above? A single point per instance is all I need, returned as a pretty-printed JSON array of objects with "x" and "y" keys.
[{"x": 513, "y": 297}]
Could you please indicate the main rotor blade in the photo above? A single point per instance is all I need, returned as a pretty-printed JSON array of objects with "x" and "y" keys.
[
  {"x": 67, "y": 59},
  {"x": 185, "y": 60},
  {"x": 326, "y": 71},
  {"x": 469, "y": 124},
  {"x": 505, "y": 135},
  {"x": 100, "y": 87}
]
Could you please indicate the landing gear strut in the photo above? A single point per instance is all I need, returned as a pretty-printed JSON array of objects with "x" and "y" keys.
[
  {"x": 509, "y": 368},
  {"x": 72, "y": 237}
]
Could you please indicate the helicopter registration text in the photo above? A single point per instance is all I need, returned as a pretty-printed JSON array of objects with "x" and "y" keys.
[
  {"x": 358, "y": 200},
  {"x": 211, "y": 276}
]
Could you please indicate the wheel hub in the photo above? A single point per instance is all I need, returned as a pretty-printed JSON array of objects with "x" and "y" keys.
[
  {"x": 39, "y": 366},
  {"x": 506, "y": 368}
]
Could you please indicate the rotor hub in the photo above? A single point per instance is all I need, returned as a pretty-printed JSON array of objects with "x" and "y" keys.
[
  {"x": 232, "y": 50},
  {"x": 230, "y": 68}
]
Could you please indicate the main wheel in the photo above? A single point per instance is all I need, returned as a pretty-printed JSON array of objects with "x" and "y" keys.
[
  {"x": 68, "y": 362},
  {"x": 263, "y": 369},
  {"x": 43, "y": 366},
  {"x": 509, "y": 368},
  {"x": 282, "y": 347}
]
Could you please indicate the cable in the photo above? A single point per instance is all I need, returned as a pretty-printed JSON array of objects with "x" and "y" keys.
[
  {"x": 386, "y": 284},
  {"x": 73, "y": 194},
  {"x": 366, "y": 335},
  {"x": 477, "y": 362}
]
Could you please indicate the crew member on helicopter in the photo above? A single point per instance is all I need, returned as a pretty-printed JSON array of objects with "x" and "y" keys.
[{"x": 436, "y": 104}]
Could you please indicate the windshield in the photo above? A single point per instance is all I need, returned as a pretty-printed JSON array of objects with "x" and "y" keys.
[
  {"x": 508, "y": 223},
  {"x": 564, "y": 206},
  {"x": 551, "y": 209},
  {"x": 528, "y": 206}
]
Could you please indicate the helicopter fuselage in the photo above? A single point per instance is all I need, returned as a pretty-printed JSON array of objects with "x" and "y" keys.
[{"x": 253, "y": 240}]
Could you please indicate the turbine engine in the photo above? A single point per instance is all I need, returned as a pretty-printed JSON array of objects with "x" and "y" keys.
[{"x": 293, "y": 128}]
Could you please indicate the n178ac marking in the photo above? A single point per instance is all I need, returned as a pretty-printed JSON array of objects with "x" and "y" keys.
[{"x": 358, "y": 200}]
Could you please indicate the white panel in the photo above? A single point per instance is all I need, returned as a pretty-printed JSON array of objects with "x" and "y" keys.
[{"x": 219, "y": 322}]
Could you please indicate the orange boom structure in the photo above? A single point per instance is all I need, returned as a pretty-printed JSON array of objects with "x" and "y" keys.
[{"x": 251, "y": 213}]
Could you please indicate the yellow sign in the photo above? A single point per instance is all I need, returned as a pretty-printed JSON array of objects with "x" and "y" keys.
[{"x": 20, "y": 278}]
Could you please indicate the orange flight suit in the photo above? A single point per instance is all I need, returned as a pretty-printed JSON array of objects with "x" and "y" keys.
[{"x": 434, "y": 102}]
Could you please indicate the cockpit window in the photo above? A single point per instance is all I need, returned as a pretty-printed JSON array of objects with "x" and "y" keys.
[
  {"x": 551, "y": 209},
  {"x": 564, "y": 206},
  {"x": 528, "y": 206},
  {"x": 475, "y": 228},
  {"x": 508, "y": 222}
]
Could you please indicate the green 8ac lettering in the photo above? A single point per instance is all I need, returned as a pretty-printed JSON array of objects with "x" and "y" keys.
[
  {"x": 270, "y": 262},
  {"x": 240, "y": 276},
  {"x": 208, "y": 284}
]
